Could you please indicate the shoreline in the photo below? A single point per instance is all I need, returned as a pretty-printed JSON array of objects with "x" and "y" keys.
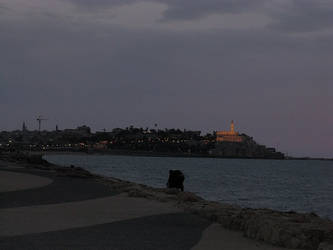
[
  {"x": 286, "y": 229},
  {"x": 171, "y": 155}
]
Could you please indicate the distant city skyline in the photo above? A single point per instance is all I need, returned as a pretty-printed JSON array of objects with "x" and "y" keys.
[
  {"x": 52, "y": 127},
  {"x": 181, "y": 64}
]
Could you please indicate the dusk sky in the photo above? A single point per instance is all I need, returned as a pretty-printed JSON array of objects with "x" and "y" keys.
[{"x": 267, "y": 65}]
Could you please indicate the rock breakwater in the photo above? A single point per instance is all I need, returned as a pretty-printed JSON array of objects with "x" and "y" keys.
[{"x": 286, "y": 229}]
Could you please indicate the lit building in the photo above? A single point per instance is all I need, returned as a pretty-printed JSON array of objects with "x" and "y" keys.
[{"x": 229, "y": 136}]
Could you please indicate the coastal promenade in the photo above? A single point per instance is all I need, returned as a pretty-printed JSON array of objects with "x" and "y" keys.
[{"x": 44, "y": 209}]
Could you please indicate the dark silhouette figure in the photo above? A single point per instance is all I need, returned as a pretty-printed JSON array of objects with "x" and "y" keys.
[{"x": 176, "y": 179}]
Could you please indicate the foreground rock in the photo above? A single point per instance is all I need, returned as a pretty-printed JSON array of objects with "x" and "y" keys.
[{"x": 286, "y": 229}]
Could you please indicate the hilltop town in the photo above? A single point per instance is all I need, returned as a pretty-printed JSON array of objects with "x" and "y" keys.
[{"x": 141, "y": 141}]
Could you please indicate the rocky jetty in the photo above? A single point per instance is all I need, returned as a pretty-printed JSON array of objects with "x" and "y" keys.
[{"x": 286, "y": 229}]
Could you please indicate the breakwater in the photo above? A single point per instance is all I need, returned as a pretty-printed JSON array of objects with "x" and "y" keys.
[{"x": 287, "y": 229}]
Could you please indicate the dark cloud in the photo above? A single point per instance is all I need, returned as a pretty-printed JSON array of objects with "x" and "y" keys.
[
  {"x": 100, "y": 4},
  {"x": 294, "y": 16},
  {"x": 3, "y": 8},
  {"x": 182, "y": 10},
  {"x": 304, "y": 16}
]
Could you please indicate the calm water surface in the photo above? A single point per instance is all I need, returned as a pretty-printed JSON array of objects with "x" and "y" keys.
[{"x": 303, "y": 186}]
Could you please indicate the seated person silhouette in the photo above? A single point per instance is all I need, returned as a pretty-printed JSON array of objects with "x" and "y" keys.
[{"x": 176, "y": 179}]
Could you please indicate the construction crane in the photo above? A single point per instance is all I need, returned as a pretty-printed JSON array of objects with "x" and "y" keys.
[{"x": 40, "y": 119}]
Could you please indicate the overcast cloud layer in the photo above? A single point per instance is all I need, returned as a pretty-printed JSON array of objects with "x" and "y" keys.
[{"x": 189, "y": 64}]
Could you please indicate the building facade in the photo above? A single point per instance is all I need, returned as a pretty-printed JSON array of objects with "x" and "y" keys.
[{"x": 229, "y": 136}]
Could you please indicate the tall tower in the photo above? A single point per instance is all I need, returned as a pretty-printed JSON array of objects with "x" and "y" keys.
[{"x": 232, "y": 127}]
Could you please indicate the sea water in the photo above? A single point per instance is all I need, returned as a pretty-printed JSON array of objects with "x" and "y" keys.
[{"x": 285, "y": 185}]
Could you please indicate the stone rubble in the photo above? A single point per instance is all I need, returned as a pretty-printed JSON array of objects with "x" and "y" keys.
[{"x": 285, "y": 229}]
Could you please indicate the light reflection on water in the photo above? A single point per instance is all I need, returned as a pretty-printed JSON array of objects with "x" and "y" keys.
[{"x": 303, "y": 186}]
